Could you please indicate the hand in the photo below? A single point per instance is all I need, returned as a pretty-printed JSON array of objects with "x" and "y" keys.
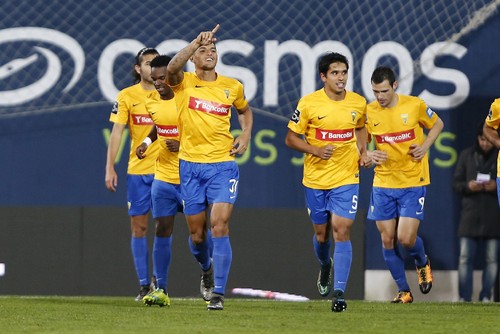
[
  {"x": 111, "y": 180},
  {"x": 141, "y": 150},
  {"x": 325, "y": 152},
  {"x": 240, "y": 145},
  {"x": 417, "y": 152},
  {"x": 475, "y": 186},
  {"x": 377, "y": 157},
  {"x": 172, "y": 145},
  {"x": 365, "y": 160},
  {"x": 207, "y": 37},
  {"x": 490, "y": 185}
]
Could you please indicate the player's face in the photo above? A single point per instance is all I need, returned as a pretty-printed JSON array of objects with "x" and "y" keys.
[
  {"x": 144, "y": 69},
  {"x": 385, "y": 93},
  {"x": 159, "y": 77},
  {"x": 205, "y": 58},
  {"x": 335, "y": 79}
]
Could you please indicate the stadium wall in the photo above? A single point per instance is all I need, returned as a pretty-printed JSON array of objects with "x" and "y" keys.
[{"x": 86, "y": 251}]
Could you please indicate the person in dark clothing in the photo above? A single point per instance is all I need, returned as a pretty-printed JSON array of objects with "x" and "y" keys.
[{"x": 475, "y": 180}]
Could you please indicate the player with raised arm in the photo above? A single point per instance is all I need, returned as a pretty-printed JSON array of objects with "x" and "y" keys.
[
  {"x": 165, "y": 190},
  {"x": 130, "y": 110},
  {"x": 208, "y": 171},
  {"x": 328, "y": 126},
  {"x": 397, "y": 124}
]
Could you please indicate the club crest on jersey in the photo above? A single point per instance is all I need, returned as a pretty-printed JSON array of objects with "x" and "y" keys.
[
  {"x": 353, "y": 115},
  {"x": 404, "y": 117},
  {"x": 490, "y": 115},
  {"x": 209, "y": 107},
  {"x": 226, "y": 91}
]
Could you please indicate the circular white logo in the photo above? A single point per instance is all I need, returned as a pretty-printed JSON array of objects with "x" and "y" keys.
[{"x": 53, "y": 72}]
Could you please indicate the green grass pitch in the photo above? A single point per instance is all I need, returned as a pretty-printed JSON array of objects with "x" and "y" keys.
[{"x": 22, "y": 314}]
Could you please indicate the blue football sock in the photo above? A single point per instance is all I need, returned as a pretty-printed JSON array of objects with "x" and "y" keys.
[
  {"x": 210, "y": 242},
  {"x": 342, "y": 258},
  {"x": 162, "y": 249},
  {"x": 201, "y": 253},
  {"x": 223, "y": 256},
  {"x": 418, "y": 252},
  {"x": 141, "y": 260},
  {"x": 322, "y": 251},
  {"x": 397, "y": 268}
]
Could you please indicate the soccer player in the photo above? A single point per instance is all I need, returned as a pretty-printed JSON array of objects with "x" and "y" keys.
[
  {"x": 490, "y": 130},
  {"x": 397, "y": 124},
  {"x": 208, "y": 172},
  {"x": 130, "y": 110},
  {"x": 165, "y": 190},
  {"x": 332, "y": 121}
]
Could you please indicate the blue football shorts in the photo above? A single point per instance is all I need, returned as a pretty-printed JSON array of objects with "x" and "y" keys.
[
  {"x": 166, "y": 198},
  {"x": 203, "y": 184},
  {"x": 139, "y": 194},
  {"x": 389, "y": 203},
  {"x": 341, "y": 201}
]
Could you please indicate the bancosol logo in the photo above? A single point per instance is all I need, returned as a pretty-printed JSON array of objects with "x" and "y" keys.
[{"x": 54, "y": 69}]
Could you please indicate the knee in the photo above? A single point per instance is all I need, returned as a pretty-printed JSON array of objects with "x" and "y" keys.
[
  {"x": 139, "y": 230},
  {"x": 198, "y": 237}
]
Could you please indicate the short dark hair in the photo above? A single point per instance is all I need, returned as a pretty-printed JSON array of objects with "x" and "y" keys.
[
  {"x": 329, "y": 58},
  {"x": 382, "y": 73},
  {"x": 160, "y": 61}
]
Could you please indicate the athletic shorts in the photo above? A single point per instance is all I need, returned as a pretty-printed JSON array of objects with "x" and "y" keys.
[
  {"x": 139, "y": 194},
  {"x": 203, "y": 184},
  {"x": 166, "y": 198},
  {"x": 389, "y": 203},
  {"x": 341, "y": 201}
]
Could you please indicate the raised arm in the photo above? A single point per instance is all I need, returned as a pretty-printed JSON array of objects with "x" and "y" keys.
[{"x": 175, "y": 68}]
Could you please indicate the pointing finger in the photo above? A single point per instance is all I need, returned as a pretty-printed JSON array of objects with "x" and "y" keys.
[{"x": 214, "y": 30}]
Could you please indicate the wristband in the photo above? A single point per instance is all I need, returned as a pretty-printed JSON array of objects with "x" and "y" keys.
[{"x": 147, "y": 141}]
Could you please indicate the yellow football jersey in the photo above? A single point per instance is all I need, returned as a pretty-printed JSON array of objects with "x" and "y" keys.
[
  {"x": 130, "y": 109},
  {"x": 164, "y": 115},
  {"x": 324, "y": 121},
  {"x": 493, "y": 120},
  {"x": 204, "y": 117},
  {"x": 394, "y": 130}
]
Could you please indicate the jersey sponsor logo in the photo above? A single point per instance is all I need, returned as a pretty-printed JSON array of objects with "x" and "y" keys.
[
  {"x": 396, "y": 137},
  {"x": 335, "y": 135},
  {"x": 142, "y": 120},
  {"x": 209, "y": 106},
  {"x": 167, "y": 130}
]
